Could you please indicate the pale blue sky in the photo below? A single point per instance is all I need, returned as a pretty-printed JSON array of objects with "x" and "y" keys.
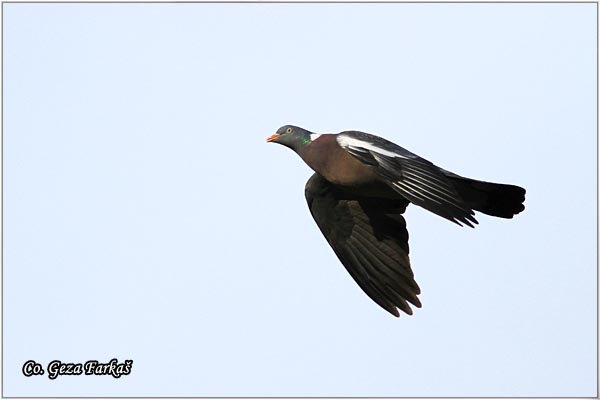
[{"x": 146, "y": 218}]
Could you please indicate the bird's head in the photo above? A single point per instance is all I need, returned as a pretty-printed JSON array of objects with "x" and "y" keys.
[{"x": 291, "y": 136}]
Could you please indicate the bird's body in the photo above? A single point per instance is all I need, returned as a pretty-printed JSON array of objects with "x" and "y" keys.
[
  {"x": 338, "y": 166},
  {"x": 361, "y": 186}
]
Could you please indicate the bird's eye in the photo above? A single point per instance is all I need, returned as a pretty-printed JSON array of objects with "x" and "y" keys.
[{"x": 288, "y": 130}]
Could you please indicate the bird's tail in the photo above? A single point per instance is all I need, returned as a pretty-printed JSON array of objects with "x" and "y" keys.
[{"x": 496, "y": 199}]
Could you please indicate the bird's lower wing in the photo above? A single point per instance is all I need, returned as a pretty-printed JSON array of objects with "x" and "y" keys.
[
  {"x": 370, "y": 240},
  {"x": 416, "y": 179}
]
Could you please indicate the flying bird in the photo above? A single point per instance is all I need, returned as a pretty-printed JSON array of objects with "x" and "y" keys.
[{"x": 361, "y": 186}]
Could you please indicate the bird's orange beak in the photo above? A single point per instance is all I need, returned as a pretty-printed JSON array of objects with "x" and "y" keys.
[{"x": 273, "y": 137}]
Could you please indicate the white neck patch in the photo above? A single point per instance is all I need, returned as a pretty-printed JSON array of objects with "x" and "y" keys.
[{"x": 314, "y": 136}]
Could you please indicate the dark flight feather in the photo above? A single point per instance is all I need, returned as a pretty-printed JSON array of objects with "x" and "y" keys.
[{"x": 370, "y": 239}]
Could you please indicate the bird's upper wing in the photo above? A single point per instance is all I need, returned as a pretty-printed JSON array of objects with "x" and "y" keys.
[
  {"x": 370, "y": 239},
  {"x": 415, "y": 178}
]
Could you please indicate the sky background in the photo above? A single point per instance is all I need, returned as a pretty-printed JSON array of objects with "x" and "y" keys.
[{"x": 145, "y": 217}]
